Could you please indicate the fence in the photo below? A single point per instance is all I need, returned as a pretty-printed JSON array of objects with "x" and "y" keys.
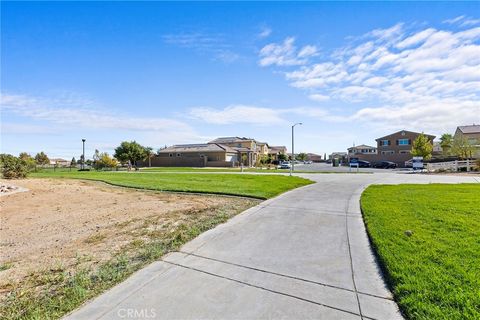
[{"x": 451, "y": 165}]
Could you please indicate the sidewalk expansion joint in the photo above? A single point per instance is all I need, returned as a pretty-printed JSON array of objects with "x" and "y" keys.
[
  {"x": 268, "y": 290},
  {"x": 283, "y": 275}
]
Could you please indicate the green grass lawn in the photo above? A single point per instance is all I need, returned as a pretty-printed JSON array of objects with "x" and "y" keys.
[
  {"x": 256, "y": 186},
  {"x": 434, "y": 272}
]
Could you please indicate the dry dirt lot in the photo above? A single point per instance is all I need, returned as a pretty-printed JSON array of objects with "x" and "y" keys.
[{"x": 60, "y": 223}]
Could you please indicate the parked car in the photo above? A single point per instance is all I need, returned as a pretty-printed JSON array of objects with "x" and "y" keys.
[
  {"x": 363, "y": 164},
  {"x": 385, "y": 165},
  {"x": 284, "y": 165}
]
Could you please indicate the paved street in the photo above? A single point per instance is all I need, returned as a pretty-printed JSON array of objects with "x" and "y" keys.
[{"x": 302, "y": 255}]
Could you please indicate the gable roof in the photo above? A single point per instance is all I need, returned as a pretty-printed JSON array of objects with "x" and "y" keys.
[
  {"x": 406, "y": 131},
  {"x": 231, "y": 140},
  {"x": 362, "y": 146},
  {"x": 200, "y": 147},
  {"x": 474, "y": 128}
]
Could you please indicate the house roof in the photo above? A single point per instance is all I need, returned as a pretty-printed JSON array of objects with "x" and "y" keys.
[
  {"x": 201, "y": 147},
  {"x": 277, "y": 148},
  {"x": 231, "y": 140},
  {"x": 406, "y": 131},
  {"x": 362, "y": 146},
  {"x": 475, "y": 128}
]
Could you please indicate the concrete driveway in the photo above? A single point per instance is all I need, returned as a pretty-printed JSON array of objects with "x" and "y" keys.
[{"x": 302, "y": 255}]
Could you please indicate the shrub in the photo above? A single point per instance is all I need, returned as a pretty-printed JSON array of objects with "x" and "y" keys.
[{"x": 13, "y": 167}]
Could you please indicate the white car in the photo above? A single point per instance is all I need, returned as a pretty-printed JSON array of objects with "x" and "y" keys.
[{"x": 284, "y": 165}]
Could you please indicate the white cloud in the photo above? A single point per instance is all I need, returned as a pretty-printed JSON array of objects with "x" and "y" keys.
[
  {"x": 214, "y": 45},
  {"x": 409, "y": 77},
  {"x": 454, "y": 20},
  {"x": 81, "y": 113},
  {"x": 265, "y": 32},
  {"x": 285, "y": 53},
  {"x": 319, "y": 97},
  {"x": 237, "y": 114}
]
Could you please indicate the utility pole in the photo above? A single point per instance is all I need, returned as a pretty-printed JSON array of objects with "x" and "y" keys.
[
  {"x": 83, "y": 154},
  {"x": 293, "y": 148}
]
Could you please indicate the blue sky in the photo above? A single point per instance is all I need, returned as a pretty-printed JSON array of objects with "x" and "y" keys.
[{"x": 171, "y": 73}]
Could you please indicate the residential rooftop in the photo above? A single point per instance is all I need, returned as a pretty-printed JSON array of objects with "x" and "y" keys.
[{"x": 474, "y": 128}]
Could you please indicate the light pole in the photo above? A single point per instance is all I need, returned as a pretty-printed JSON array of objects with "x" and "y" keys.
[
  {"x": 293, "y": 147},
  {"x": 83, "y": 154}
]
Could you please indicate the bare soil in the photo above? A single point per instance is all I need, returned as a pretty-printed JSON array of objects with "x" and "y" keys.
[{"x": 61, "y": 222}]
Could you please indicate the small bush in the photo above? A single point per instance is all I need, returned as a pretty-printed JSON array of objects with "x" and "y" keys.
[{"x": 13, "y": 167}]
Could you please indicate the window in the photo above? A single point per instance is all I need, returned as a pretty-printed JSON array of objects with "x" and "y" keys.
[
  {"x": 170, "y": 154},
  {"x": 403, "y": 142},
  {"x": 384, "y": 142},
  {"x": 388, "y": 152},
  {"x": 179, "y": 154},
  {"x": 404, "y": 151}
]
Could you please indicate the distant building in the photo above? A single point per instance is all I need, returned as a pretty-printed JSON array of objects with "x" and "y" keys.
[
  {"x": 471, "y": 134},
  {"x": 361, "y": 149},
  {"x": 59, "y": 162},
  {"x": 220, "y": 152},
  {"x": 314, "y": 157},
  {"x": 395, "y": 147},
  {"x": 196, "y": 155},
  {"x": 274, "y": 151}
]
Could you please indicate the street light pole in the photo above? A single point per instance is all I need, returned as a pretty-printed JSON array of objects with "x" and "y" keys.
[
  {"x": 293, "y": 148},
  {"x": 83, "y": 154}
]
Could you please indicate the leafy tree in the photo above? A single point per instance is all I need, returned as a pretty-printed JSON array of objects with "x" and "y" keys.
[
  {"x": 28, "y": 159},
  {"x": 462, "y": 148},
  {"x": 149, "y": 153},
  {"x": 446, "y": 141},
  {"x": 96, "y": 156},
  {"x": 302, "y": 156},
  {"x": 41, "y": 158},
  {"x": 73, "y": 163},
  {"x": 244, "y": 159},
  {"x": 13, "y": 167},
  {"x": 422, "y": 147},
  {"x": 264, "y": 159},
  {"x": 130, "y": 151},
  {"x": 282, "y": 157},
  {"x": 105, "y": 161}
]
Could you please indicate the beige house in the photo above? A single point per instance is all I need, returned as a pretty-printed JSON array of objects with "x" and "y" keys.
[
  {"x": 59, "y": 162},
  {"x": 274, "y": 151},
  {"x": 196, "y": 155},
  {"x": 361, "y": 149},
  {"x": 245, "y": 147},
  {"x": 471, "y": 134}
]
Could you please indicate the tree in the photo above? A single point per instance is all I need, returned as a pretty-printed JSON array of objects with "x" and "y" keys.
[
  {"x": 302, "y": 156},
  {"x": 73, "y": 163},
  {"x": 422, "y": 147},
  {"x": 13, "y": 167},
  {"x": 41, "y": 158},
  {"x": 446, "y": 141},
  {"x": 282, "y": 157},
  {"x": 130, "y": 151},
  {"x": 105, "y": 161},
  {"x": 96, "y": 156},
  {"x": 149, "y": 152},
  {"x": 462, "y": 148},
  {"x": 28, "y": 159}
]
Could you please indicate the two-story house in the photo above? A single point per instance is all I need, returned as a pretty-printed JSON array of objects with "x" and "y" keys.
[
  {"x": 472, "y": 135},
  {"x": 246, "y": 148},
  {"x": 361, "y": 149},
  {"x": 395, "y": 147}
]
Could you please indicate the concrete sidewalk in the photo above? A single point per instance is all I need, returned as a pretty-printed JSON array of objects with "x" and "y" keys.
[{"x": 304, "y": 254}]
